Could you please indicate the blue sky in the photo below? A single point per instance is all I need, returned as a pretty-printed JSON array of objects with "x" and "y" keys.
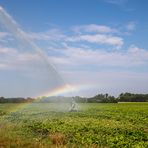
[{"x": 97, "y": 46}]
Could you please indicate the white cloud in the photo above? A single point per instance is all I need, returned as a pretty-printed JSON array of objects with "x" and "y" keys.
[
  {"x": 99, "y": 34},
  {"x": 94, "y": 28},
  {"x": 81, "y": 58},
  {"x": 113, "y": 82},
  {"x": 99, "y": 39},
  {"x": 76, "y": 65},
  {"x": 6, "y": 50},
  {"x": 53, "y": 34},
  {"x": 104, "y": 71},
  {"x": 11, "y": 58}
]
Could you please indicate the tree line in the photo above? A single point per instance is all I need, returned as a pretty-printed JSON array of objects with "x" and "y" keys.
[
  {"x": 16, "y": 100},
  {"x": 99, "y": 98},
  {"x": 130, "y": 97}
]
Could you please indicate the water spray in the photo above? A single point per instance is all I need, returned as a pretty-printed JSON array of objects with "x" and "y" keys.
[
  {"x": 21, "y": 36},
  {"x": 11, "y": 25}
]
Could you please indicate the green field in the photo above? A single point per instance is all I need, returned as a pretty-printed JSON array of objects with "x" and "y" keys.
[{"x": 94, "y": 125}]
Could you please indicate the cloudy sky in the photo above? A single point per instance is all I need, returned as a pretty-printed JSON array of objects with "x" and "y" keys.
[{"x": 96, "y": 46}]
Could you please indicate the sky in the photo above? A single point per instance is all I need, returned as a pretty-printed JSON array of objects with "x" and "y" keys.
[{"x": 92, "y": 46}]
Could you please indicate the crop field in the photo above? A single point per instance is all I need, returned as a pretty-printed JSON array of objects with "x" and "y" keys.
[{"x": 94, "y": 125}]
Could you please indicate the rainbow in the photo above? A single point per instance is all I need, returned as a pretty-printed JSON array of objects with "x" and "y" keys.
[
  {"x": 59, "y": 91},
  {"x": 64, "y": 90}
]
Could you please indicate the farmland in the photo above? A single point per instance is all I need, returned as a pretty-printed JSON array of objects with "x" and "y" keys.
[{"x": 94, "y": 125}]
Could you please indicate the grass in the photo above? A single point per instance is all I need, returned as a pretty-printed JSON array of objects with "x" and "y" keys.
[{"x": 95, "y": 125}]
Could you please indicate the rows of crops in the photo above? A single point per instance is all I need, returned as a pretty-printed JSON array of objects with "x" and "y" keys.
[{"x": 94, "y": 125}]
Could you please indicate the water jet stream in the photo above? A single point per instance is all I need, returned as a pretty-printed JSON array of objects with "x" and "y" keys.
[
  {"x": 22, "y": 37},
  {"x": 11, "y": 25}
]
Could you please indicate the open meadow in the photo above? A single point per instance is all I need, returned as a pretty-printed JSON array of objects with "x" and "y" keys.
[{"x": 94, "y": 125}]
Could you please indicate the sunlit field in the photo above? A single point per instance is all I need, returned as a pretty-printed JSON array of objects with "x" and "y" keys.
[{"x": 94, "y": 125}]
